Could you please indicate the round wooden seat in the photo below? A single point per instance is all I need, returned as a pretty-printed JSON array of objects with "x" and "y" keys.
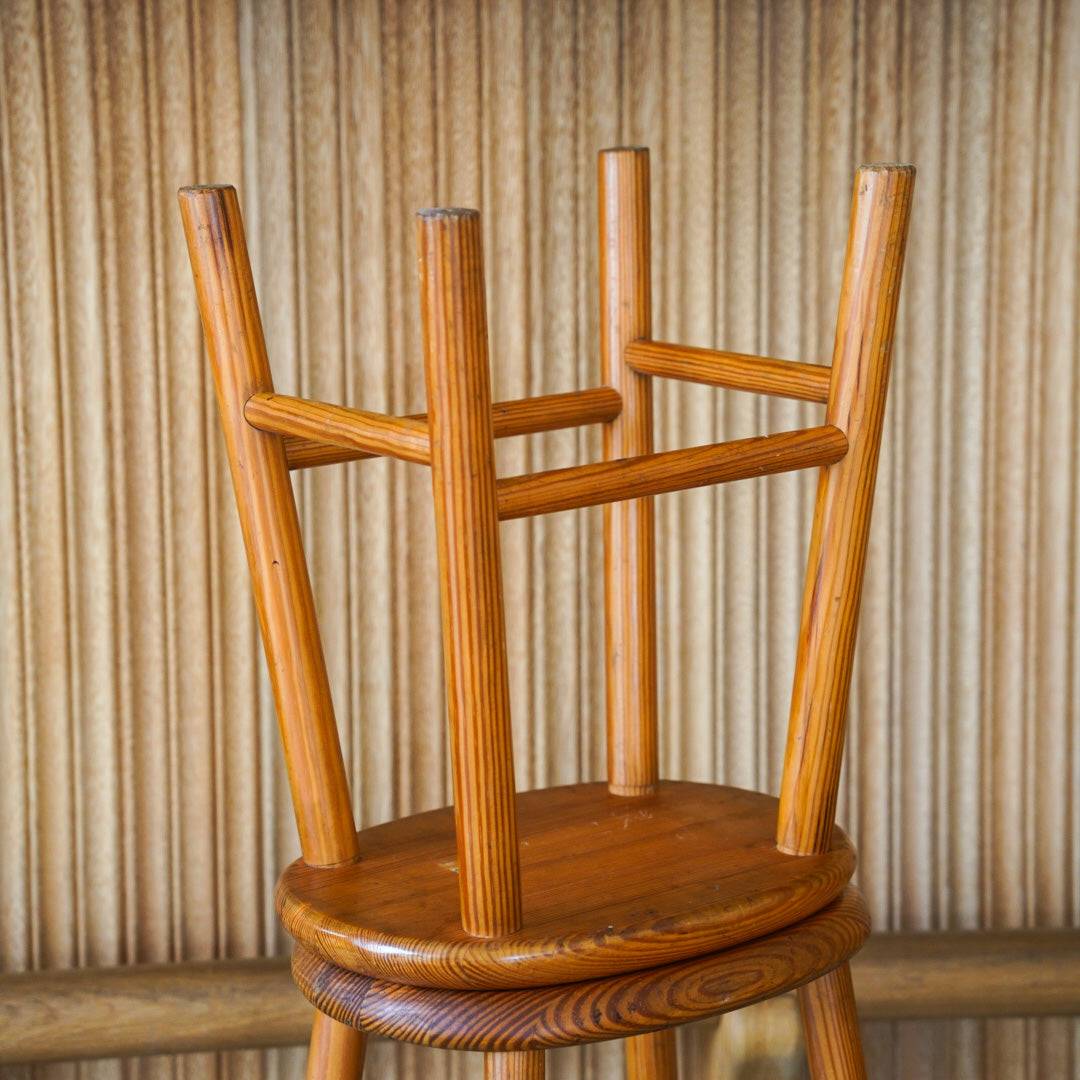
[
  {"x": 611, "y": 885},
  {"x": 595, "y": 1010}
]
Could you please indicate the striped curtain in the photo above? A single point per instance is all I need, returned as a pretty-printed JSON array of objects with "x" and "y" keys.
[{"x": 143, "y": 810}]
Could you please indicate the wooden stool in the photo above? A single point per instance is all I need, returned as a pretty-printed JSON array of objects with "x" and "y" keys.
[{"x": 509, "y": 922}]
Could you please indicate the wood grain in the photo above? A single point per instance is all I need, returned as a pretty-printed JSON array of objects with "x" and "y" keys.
[
  {"x": 735, "y": 371},
  {"x": 551, "y": 412},
  {"x": 127, "y": 521},
  {"x": 467, "y": 529},
  {"x": 672, "y": 470},
  {"x": 521, "y": 416},
  {"x": 139, "y": 1009},
  {"x": 615, "y": 1007},
  {"x": 652, "y": 1056},
  {"x": 629, "y": 528},
  {"x": 869, "y": 297},
  {"x": 264, "y": 498},
  {"x": 422, "y": 914},
  {"x": 833, "y": 1043},
  {"x": 610, "y": 883},
  {"x": 224, "y": 1004},
  {"x": 316, "y": 421},
  {"x": 969, "y": 973},
  {"x": 335, "y": 1052},
  {"x": 522, "y": 1065}
]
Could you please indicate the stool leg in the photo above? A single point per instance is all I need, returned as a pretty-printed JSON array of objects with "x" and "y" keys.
[
  {"x": 336, "y": 1051},
  {"x": 514, "y": 1065},
  {"x": 833, "y": 1043},
  {"x": 652, "y": 1056}
]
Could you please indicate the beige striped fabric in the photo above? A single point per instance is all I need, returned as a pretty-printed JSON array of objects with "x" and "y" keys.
[{"x": 143, "y": 811}]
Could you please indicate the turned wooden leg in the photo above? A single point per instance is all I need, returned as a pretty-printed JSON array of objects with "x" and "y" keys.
[
  {"x": 833, "y": 1044},
  {"x": 336, "y": 1052},
  {"x": 523, "y": 1065},
  {"x": 652, "y": 1056}
]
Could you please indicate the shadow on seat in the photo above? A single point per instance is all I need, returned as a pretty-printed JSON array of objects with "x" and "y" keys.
[{"x": 510, "y": 922}]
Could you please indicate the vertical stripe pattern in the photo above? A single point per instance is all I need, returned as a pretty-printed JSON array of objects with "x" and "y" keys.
[{"x": 144, "y": 812}]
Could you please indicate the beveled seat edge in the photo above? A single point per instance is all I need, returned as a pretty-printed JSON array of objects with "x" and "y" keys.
[
  {"x": 730, "y": 908},
  {"x": 594, "y": 1011}
]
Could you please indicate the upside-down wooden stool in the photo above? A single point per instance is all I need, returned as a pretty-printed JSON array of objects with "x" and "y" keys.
[{"x": 514, "y": 922}]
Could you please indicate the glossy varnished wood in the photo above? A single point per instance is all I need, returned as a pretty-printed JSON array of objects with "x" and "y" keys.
[
  {"x": 869, "y": 297},
  {"x": 514, "y": 1065},
  {"x": 271, "y": 529},
  {"x": 371, "y": 433},
  {"x": 629, "y": 527},
  {"x": 522, "y": 416},
  {"x": 833, "y": 1043},
  {"x": 224, "y": 1004},
  {"x": 623, "y": 1005},
  {"x": 550, "y": 412},
  {"x": 336, "y": 1051},
  {"x": 672, "y": 470},
  {"x": 610, "y": 884},
  {"x": 736, "y": 371},
  {"x": 652, "y": 1056},
  {"x": 512, "y": 923},
  {"x": 470, "y": 569}
]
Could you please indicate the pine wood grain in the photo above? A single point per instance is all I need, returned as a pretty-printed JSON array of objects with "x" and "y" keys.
[
  {"x": 869, "y": 297},
  {"x": 652, "y": 1056},
  {"x": 521, "y": 416},
  {"x": 140, "y": 1009},
  {"x": 467, "y": 529},
  {"x": 335, "y": 1052},
  {"x": 436, "y": 904},
  {"x": 833, "y": 1043},
  {"x": 321, "y": 423},
  {"x": 527, "y": 1065},
  {"x": 629, "y": 528},
  {"x": 219, "y": 261},
  {"x": 610, "y": 883},
  {"x": 551, "y": 412},
  {"x": 615, "y": 1007},
  {"x": 736, "y": 371},
  {"x": 672, "y": 470}
]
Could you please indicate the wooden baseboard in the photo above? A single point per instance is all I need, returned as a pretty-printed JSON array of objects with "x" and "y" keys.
[
  {"x": 980, "y": 973},
  {"x": 236, "y": 1004},
  {"x": 150, "y": 1009}
]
